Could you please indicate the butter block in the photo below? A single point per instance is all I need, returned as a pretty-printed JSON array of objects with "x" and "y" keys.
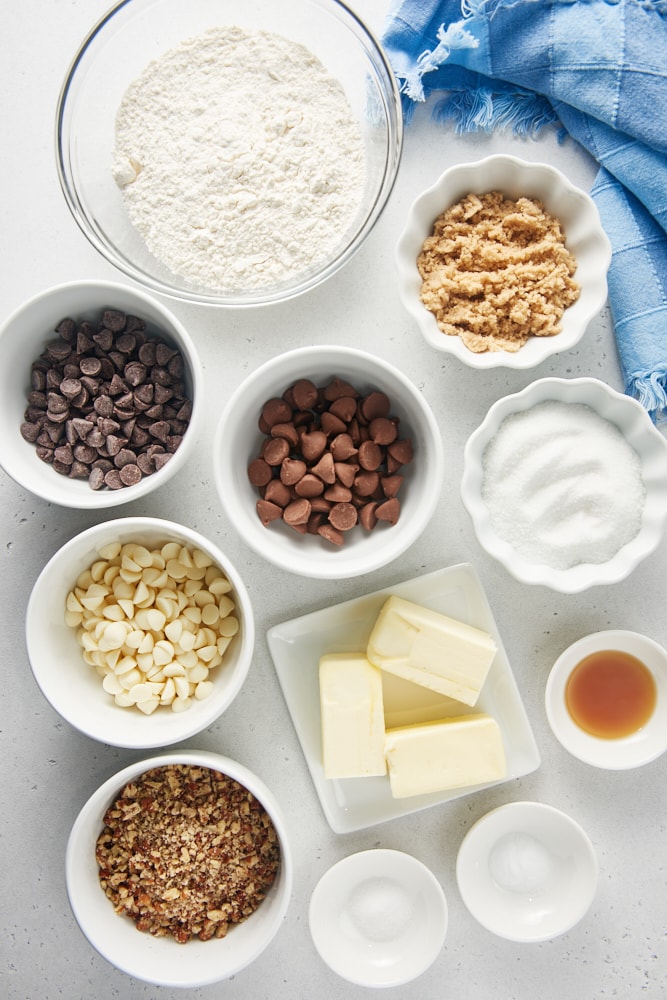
[
  {"x": 438, "y": 756},
  {"x": 431, "y": 649},
  {"x": 352, "y": 714}
]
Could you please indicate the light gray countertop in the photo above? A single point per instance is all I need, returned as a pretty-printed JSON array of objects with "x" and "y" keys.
[{"x": 48, "y": 770}]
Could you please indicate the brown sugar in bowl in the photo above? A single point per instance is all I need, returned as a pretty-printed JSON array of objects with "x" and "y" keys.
[{"x": 585, "y": 239}]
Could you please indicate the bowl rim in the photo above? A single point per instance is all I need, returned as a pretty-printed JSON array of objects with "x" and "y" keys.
[
  {"x": 174, "y": 330},
  {"x": 144, "y": 736},
  {"x": 395, "y": 136},
  {"x": 584, "y": 575},
  {"x": 78, "y": 886},
  {"x": 342, "y": 565},
  {"x": 430, "y": 202},
  {"x": 635, "y": 750},
  {"x": 532, "y": 814}
]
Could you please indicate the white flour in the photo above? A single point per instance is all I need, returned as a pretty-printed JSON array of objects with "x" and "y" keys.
[{"x": 239, "y": 159}]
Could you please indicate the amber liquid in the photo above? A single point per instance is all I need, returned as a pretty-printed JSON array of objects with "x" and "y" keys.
[{"x": 610, "y": 694}]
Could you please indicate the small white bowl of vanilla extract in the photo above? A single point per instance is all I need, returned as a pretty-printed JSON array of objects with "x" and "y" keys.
[{"x": 606, "y": 699}]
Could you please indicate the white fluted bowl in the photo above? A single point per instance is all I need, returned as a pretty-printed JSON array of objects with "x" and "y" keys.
[
  {"x": 584, "y": 235},
  {"x": 638, "y": 431}
]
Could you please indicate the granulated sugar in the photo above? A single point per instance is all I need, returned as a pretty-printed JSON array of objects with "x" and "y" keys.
[
  {"x": 240, "y": 161},
  {"x": 562, "y": 485}
]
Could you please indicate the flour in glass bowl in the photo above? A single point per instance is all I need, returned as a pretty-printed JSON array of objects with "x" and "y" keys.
[{"x": 239, "y": 159}]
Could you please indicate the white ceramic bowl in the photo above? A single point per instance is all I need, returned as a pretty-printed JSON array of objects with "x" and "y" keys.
[
  {"x": 238, "y": 441},
  {"x": 641, "y": 747},
  {"x": 527, "y": 872},
  {"x": 639, "y": 432},
  {"x": 116, "y": 53},
  {"x": 23, "y": 337},
  {"x": 584, "y": 235},
  {"x": 75, "y": 690},
  {"x": 163, "y": 961},
  {"x": 378, "y": 918}
]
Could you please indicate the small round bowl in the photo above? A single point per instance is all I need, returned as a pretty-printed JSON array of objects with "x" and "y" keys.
[
  {"x": 639, "y": 432},
  {"x": 584, "y": 235},
  {"x": 74, "y": 689},
  {"x": 527, "y": 872},
  {"x": 115, "y": 54},
  {"x": 378, "y": 918},
  {"x": 639, "y": 748},
  {"x": 23, "y": 337},
  {"x": 238, "y": 441},
  {"x": 161, "y": 960}
]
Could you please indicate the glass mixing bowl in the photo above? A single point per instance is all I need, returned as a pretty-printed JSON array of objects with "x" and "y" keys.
[{"x": 136, "y": 32}]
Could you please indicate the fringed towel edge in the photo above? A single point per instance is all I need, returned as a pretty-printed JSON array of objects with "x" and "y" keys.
[
  {"x": 524, "y": 112},
  {"x": 650, "y": 389}
]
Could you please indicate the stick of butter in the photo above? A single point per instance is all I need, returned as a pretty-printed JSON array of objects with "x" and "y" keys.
[
  {"x": 436, "y": 756},
  {"x": 431, "y": 649},
  {"x": 352, "y": 714}
]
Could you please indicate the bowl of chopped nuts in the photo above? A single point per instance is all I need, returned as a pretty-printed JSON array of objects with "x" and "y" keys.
[
  {"x": 328, "y": 461},
  {"x": 207, "y": 842},
  {"x": 139, "y": 632},
  {"x": 503, "y": 262},
  {"x": 101, "y": 389}
]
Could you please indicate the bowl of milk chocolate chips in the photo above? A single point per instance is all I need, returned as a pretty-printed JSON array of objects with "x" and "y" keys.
[{"x": 328, "y": 461}]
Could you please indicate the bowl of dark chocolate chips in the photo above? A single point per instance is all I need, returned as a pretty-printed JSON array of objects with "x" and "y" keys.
[{"x": 101, "y": 389}]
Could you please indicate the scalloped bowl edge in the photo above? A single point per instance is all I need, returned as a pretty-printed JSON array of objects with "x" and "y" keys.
[
  {"x": 585, "y": 237},
  {"x": 636, "y": 426}
]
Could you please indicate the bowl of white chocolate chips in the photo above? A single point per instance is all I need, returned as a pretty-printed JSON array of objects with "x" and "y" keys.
[{"x": 139, "y": 632}]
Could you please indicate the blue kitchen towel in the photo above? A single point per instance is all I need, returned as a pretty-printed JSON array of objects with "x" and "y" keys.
[{"x": 596, "y": 69}]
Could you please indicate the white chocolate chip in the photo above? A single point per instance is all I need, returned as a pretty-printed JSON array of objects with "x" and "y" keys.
[
  {"x": 180, "y": 704},
  {"x": 111, "y": 684},
  {"x": 109, "y": 551},
  {"x": 174, "y": 669},
  {"x": 148, "y": 706},
  {"x": 220, "y": 585},
  {"x": 198, "y": 673},
  {"x": 130, "y": 678},
  {"x": 187, "y": 641},
  {"x": 203, "y": 690},
  {"x": 225, "y": 605},
  {"x": 229, "y": 626},
  {"x": 113, "y": 635}
]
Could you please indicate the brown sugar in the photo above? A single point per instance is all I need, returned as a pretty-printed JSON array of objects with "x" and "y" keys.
[{"x": 496, "y": 272}]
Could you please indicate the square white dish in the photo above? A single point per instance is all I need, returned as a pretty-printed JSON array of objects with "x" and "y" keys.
[{"x": 296, "y": 647}]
